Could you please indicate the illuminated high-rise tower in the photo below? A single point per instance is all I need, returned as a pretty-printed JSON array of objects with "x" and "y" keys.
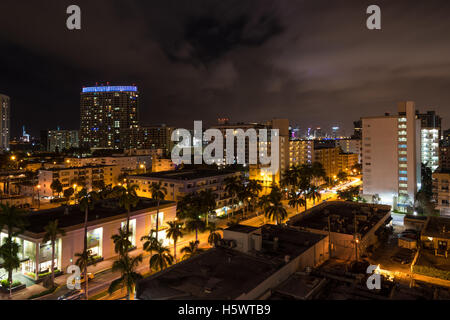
[{"x": 107, "y": 114}]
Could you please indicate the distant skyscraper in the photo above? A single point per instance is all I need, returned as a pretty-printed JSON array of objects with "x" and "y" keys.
[
  {"x": 4, "y": 122},
  {"x": 431, "y": 133},
  {"x": 107, "y": 114},
  {"x": 391, "y": 156},
  {"x": 58, "y": 140}
]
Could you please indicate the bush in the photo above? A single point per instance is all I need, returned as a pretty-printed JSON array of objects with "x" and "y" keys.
[
  {"x": 432, "y": 272},
  {"x": 5, "y": 284}
]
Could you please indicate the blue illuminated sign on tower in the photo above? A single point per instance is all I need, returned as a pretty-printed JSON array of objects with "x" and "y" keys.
[{"x": 110, "y": 89}]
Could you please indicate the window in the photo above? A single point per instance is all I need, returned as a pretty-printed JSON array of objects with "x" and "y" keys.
[
  {"x": 402, "y": 159},
  {"x": 403, "y": 179},
  {"x": 403, "y": 172}
]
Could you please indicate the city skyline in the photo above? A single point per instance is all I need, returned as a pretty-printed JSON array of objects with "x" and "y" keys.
[{"x": 299, "y": 61}]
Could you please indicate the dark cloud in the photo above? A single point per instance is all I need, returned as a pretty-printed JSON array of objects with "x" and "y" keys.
[{"x": 311, "y": 61}]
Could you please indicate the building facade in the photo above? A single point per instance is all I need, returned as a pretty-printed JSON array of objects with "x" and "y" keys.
[
  {"x": 391, "y": 156},
  {"x": 87, "y": 176},
  {"x": 5, "y": 130},
  {"x": 441, "y": 193},
  {"x": 58, "y": 140},
  {"x": 107, "y": 112}
]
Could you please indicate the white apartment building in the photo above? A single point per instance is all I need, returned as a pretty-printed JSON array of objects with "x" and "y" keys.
[
  {"x": 391, "y": 156},
  {"x": 430, "y": 147}
]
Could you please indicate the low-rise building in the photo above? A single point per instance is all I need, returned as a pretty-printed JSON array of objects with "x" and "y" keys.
[
  {"x": 103, "y": 222},
  {"x": 86, "y": 176},
  {"x": 19, "y": 201},
  {"x": 352, "y": 226},
  {"x": 247, "y": 265},
  {"x": 182, "y": 182},
  {"x": 435, "y": 235},
  {"x": 161, "y": 165}
]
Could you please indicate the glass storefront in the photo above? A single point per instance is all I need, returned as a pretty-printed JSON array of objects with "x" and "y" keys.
[
  {"x": 132, "y": 229},
  {"x": 94, "y": 242},
  {"x": 45, "y": 257}
]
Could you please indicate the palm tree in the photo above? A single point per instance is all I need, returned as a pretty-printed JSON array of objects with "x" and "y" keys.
[
  {"x": 121, "y": 242},
  {"x": 214, "y": 236},
  {"x": 232, "y": 187},
  {"x": 15, "y": 222},
  {"x": 195, "y": 224},
  {"x": 127, "y": 199},
  {"x": 191, "y": 250},
  {"x": 129, "y": 277},
  {"x": 9, "y": 252},
  {"x": 52, "y": 231},
  {"x": 174, "y": 232},
  {"x": 254, "y": 187},
  {"x": 158, "y": 193},
  {"x": 276, "y": 211},
  {"x": 208, "y": 203},
  {"x": 296, "y": 200},
  {"x": 150, "y": 244},
  {"x": 264, "y": 203},
  {"x": 84, "y": 259},
  {"x": 86, "y": 203},
  {"x": 314, "y": 194},
  {"x": 161, "y": 259}
]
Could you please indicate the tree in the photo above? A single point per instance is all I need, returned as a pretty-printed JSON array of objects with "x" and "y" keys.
[
  {"x": 56, "y": 187},
  {"x": 9, "y": 252},
  {"x": 52, "y": 231},
  {"x": 68, "y": 193},
  {"x": 86, "y": 203},
  {"x": 127, "y": 266},
  {"x": 127, "y": 199},
  {"x": 276, "y": 211},
  {"x": 158, "y": 193},
  {"x": 314, "y": 194},
  {"x": 174, "y": 232},
  {"x": 214, "y": 236},
  {"x": 342, "y": 176},
  {"x": 150, "y": 244},
  {"x": 161, "y": 259},
  {"x": 296, "y": 200},
  {"x": 98, "y": 185},
  {"x": 254, "y": 188},
  {"x": 233, "y": 186},
  {"x": 207, "y": 203},
  {"x": 195, "y": 224},
  {"x": 83, "y": 260},
  {"x": 424, "y": 205},
  {"x": 191, "y": 250},
  {"x": 349, "y": 194},
  {"x": 15, "y": 222},
  {"x": 121, "y": 242}
]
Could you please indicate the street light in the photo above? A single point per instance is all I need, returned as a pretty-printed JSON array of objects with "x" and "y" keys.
[{"x": 39, "y": 199}]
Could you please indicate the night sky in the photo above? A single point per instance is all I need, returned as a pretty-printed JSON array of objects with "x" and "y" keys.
[{"x": 314, "y": 61}]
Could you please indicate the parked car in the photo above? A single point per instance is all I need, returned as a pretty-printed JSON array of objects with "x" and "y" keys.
[{"x": 72, "y": 295}]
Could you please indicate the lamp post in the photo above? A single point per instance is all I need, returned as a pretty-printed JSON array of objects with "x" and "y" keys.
[{"x": 39, "y": 199}]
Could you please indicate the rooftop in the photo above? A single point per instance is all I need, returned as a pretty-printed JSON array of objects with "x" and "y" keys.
[
  {"x": 242, "y": 228},
  {"x": 437, "y": 227},
  {"x": 342, "y": 217},
  {"x": 183, "y": 175},
  {"x": 223, "y": 273},
  {"x": 78, "y": 168},
  {"x": 73, "y": 217}
]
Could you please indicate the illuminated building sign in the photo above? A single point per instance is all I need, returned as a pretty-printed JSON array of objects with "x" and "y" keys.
[{"x": 110, "y": 89}]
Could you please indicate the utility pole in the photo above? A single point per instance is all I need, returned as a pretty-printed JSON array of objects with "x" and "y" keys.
[{"x": 329, "y": 237}]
